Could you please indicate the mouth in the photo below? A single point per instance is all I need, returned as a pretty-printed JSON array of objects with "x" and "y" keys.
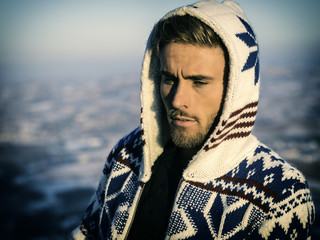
[{"x": 182, "y": 121}]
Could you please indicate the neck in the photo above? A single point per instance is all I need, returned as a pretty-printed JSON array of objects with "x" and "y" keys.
[{"x": 186, "y": 154}]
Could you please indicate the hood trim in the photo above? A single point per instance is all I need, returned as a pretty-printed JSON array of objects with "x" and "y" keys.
[{"x": 233, "y": 131}]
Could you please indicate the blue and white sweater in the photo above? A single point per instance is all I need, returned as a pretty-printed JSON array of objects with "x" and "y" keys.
[
  {"x": 235, "y": 187},
  {"x": 263, "y": 197}
]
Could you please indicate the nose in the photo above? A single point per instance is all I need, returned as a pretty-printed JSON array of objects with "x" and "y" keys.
[{"x": 180, "y": 96}]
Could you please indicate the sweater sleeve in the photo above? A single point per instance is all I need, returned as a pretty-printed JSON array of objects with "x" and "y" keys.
[
  {"x": 89, "y": 227},
  {"x": 289, "y": 218}
]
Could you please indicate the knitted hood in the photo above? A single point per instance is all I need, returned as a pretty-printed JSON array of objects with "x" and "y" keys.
[{"x": 231, "y": 139}]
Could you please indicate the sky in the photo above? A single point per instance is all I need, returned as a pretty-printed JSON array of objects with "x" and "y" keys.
[{"x": 57, "y": 36}]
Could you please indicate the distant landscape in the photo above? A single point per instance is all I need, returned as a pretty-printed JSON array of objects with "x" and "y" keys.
[{"x": 55, "y": 136}]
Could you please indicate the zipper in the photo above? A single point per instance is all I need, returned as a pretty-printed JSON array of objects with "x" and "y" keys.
[{"x": 134, "y": 212}]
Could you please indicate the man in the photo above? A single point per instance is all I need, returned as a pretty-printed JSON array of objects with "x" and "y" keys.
[{"x": 193, "y": 170}]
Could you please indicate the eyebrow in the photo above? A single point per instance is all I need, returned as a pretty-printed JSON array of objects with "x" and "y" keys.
[{"x": 192, "y": 77}]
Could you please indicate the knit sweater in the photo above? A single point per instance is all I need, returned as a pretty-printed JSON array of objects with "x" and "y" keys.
[
  {"x": 235, "y": 187},
  {"x": 262, "y": 197}
]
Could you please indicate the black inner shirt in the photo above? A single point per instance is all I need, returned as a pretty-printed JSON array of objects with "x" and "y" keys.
[{"x": 155, "y": 205}]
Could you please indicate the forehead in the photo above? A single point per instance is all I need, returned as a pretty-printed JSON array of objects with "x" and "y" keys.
[{"x": 191, "y": 57}]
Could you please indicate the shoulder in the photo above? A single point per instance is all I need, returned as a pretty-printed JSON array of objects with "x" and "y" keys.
[
  {"x": 285, "y": 193},
  {"x": 132, "y": 141},
  {"x": 278, "y": 188},
  {"x": 264, "y": 167},
  {"x": 270, "y": 182},
  {"x": 268, "y": 168},
  {"x": 128, "y": 151}
]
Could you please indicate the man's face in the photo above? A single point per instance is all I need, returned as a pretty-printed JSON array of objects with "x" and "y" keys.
[{"x": 191, "y": 90}]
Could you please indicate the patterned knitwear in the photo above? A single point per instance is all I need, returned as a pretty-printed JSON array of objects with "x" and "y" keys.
[{"x": 235, "y": 187}]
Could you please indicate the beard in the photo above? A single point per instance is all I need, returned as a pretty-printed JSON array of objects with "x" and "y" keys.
[
  {"x": 185, "y": 139},
  {"x": 182, "y": 139}
]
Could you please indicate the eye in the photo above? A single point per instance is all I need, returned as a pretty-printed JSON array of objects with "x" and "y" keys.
[
  {"x": 168, "y": 81},
  {"x": 199, "y": 83}
]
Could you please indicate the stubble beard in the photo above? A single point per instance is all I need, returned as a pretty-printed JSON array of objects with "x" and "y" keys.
[
  {"x": 182, "y": 139},
  {"x": 186, "y": 140}
]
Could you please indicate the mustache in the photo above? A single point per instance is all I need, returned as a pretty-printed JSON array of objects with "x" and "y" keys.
[{"x": 177, "y": 112}]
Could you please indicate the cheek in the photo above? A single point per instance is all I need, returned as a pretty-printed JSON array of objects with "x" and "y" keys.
[
  {"x": 212, "y": 103},
  {"x": 216, "y": 94}
]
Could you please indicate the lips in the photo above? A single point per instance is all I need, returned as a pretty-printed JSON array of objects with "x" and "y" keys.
[
  {"x": 183, "y": 121},
  {"x": 181, "y": 118}
]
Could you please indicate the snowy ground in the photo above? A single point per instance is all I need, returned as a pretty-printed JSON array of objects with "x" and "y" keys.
[{"x": 55, "y": 136}]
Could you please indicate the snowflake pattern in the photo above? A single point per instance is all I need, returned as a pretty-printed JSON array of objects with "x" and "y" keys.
[
  {"x": 249, "y": 39},
  {"x": 212, "y": 210}
]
